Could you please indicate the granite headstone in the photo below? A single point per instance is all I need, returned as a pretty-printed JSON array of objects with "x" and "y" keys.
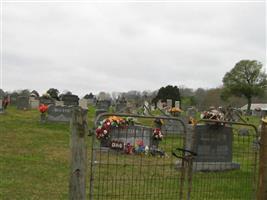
[
  {"x": 23, "y": 103},
  {"x": 70, "y": 100},
  {"x": 59, "y": 113}
]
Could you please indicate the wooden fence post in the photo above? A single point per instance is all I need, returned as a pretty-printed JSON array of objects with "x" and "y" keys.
[
  {"x": 79, "y": 129},
  {"x": 262, "y": 181}
]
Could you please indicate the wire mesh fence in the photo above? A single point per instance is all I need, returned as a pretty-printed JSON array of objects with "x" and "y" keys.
[{"x": 132, "y": 161}]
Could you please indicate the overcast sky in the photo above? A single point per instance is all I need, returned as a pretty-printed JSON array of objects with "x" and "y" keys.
[{"x": 93, "y": 47}]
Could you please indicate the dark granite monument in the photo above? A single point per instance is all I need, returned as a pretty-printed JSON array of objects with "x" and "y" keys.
[
  {"x": 70, "y": 100},
  {"x": 121, "y": 105},
  {"x": 214, "y": 145},
  {"x": 47, "y": 101},
  {"x": 103, "y": 104},
  {"x": 59, "y": 113},
  {"x": 23, "y": 103}
]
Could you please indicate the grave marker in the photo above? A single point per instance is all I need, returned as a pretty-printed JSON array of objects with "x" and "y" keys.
[
  {"x": 23, "y": 103},
  {"x": 59, "y": 113}
]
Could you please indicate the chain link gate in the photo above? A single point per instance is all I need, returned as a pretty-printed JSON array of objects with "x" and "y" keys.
[{"x": 133, "y": 162}]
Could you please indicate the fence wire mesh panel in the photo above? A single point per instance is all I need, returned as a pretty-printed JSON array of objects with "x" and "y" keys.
[
  {"x": 136, "y": 158},
  {"x": 226, "y": 163}
]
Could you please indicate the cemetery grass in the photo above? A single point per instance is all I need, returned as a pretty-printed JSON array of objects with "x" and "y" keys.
[
  {"x": 34, "y": 163},
  {"x": 34, "y": 157}
]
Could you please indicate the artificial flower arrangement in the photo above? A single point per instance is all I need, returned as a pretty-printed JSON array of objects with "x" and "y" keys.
[
  {"x": 157, "y": 134},
  {"x": 102, "y": 132},
  {"x": 212, "y": 114},
  {"x": 175, "y": 110},
  {"x": 43, "y": 108}
]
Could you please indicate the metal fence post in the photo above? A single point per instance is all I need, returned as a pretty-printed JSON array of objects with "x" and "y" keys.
[
  {"x": 262, "y": 181},
  {"x": 78, "y": 128}
]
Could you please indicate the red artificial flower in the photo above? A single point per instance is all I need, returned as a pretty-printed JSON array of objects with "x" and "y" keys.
[{"x": 43, "y": 108}]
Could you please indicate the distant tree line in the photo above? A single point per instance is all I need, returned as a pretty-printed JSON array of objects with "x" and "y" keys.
[{"x": 245, "y": 83}]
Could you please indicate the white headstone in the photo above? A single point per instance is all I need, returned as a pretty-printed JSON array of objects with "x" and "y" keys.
[
  {"x": 83, "y": 103},
  {"x": 159, "y": 105},
  {"x": 177, "y": 104},
  {"x": 169, "y": 103},
  {"x": 34, "y": 103}
]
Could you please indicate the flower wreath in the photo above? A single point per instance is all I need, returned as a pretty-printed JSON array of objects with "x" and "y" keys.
[{"x": 102, "y": 132}]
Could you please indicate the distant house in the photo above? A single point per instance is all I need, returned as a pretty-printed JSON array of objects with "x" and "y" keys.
[{"x": 257, "y": 109}]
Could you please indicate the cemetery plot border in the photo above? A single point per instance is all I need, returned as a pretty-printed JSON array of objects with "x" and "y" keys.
[{"x": 137, "y": 161}]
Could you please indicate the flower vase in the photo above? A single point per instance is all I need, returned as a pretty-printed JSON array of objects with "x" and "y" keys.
[{"x": 43, "y": 118}]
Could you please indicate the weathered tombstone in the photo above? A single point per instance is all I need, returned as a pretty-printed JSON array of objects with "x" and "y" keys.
[
  {"x": 1, "y": 106},
  {"x": 83, "y": 103},
  {"x": 23, "y": 103},
  {"x": 91, "y": 102},
  {"x": 131, "y": 136},
  {"x": 47, "y": 101},
  {"x": 59, "y": 103},
  {"x": 213, "y": 145},
  {"x": 121, "y": 105},
  {"x": 177, "y": 104},
  {"x": 59, "y": 113},
  {"x": 159, "y": 105},
  {"x": 34, "y": 103},
  {"x": 103, "y": 104},
  {"x": 13, "y": 100},
  {"x": 172, "y": 127},
  {"x": 169, "y": 103},
  {"x": 70, "y": 100}
]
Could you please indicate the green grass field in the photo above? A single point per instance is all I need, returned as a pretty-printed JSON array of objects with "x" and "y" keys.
[{"x": 34, "y": 164}]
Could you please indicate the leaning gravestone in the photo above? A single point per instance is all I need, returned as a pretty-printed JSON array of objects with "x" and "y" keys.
[
  {"x": 213, "y": 145},
  {"x": 70, "y": 100},
  {"x": 59, "y": 113},
  {"x": 23, "y": 103}
]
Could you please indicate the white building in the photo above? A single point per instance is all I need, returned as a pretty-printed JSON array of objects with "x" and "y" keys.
[{"x": 257, "y": 109}]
